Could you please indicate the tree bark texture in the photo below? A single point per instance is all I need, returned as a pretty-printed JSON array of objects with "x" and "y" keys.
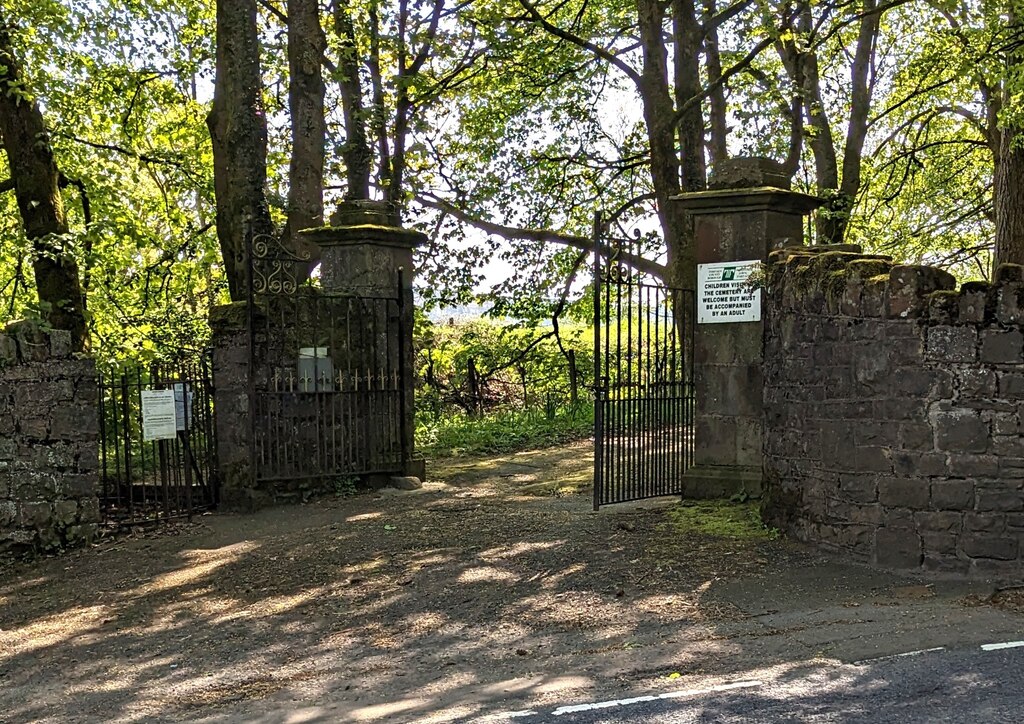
[
  {"x": 238, "y": 131},
  {"x": 356, "y": 152},
  {"x": 1009, "y": 166},
  {"x": 1009, "y": 199},
  {"x": 306, "y": 46},
  {"x": 688, "y": 40},
  {"x": 36, "y": 187},
  {"x": 718, "y": 146}
]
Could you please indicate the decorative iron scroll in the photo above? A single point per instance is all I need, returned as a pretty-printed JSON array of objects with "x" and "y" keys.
[
  {"x": 617, "y": 271},
  {"x": 273, "y": 265}
]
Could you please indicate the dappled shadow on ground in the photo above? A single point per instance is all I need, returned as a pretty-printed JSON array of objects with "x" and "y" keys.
[
  {"x": 476, "y": 594},
  {"x": 965, "y": 686}
]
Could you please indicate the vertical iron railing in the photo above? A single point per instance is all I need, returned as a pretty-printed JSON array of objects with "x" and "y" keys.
[
  {"x": 644, "y": 394},
  {"x": 152, "y": 480}
]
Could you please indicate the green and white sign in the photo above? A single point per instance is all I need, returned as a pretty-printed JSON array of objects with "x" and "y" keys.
[{"x": 724, "y": 293}]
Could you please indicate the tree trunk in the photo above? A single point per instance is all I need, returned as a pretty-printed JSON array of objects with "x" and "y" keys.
[
  {"x": 36, "y": 187},
  {"x": 826, "y": 164},
  {"x": 1009, "y": 172},
  {"x": 356, "y": 152},
  {"x": 861, "y": 85},
  {"x": 306, "y": 46},
  {"x": 1009, "y": 199},
  {"x": 238, "y": 131},
  {"x": 659, "y": 116},
  {"x": 688, "y": 36},
  {"x": 718, "y": 147}
]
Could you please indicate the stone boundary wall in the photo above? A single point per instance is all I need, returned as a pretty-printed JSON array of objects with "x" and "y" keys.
[
  {"x": 894, "y": 411},
  {"x": 49, "y": 441}
]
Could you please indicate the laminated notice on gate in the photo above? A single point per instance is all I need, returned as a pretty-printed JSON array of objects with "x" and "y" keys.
[
  {"x": 183, "y": 399},
  {"x": 724, "y": 292},
  {"x": 159, "y": 421}
]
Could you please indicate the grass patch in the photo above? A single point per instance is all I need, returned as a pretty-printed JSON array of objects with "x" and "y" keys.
[
  {"x": 503, "y": 431},
  {"x": 720, "y": 519}
]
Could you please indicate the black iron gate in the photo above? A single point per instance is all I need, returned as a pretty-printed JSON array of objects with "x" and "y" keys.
[
  {"x": 326, "y": 397},
  {"x": 643, "y": 367},
  {"x": 147, "y": 480}
]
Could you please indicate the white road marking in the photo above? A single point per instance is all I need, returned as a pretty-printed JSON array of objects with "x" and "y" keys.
[
  {"x": 574, "y": 708},
  {"x": 899, "y": 656},
  {"x": 1004, "y": 645}
]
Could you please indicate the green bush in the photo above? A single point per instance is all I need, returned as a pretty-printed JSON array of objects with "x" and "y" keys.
[{"x": 503, "y": 430}]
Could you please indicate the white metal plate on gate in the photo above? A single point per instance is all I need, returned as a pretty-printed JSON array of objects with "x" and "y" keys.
[
  {"x": 724, "y": 294},
  {"x": 159, "y": 421}
]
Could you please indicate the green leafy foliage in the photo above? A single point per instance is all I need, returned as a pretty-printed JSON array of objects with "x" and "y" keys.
[
  {"x": 502, "y": 431},
  {"x": 484, "y": 386}
]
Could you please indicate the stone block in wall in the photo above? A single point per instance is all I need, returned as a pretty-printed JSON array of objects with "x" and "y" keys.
[
  {"x": 961, "y": 431},
  {"x": 941, "y": 541},
  {"x": 1011, "y": 385},
  {"x": 1001, "y": 499},
  {"x": 901, "y": 349},
  {"x": 871, "y": 514},
  {"x": 976, "y": 303},
  {"x": 1011, "y": 468},
  {"x": 912, "y": 463},
  {"x": 952, "y": 344},
  {"x": 868, "y": 458},
  {"x": 977, "y": 382},
  {"x": 874, "y": 296},
  {"x": 876, "y": 432},
  {"x": 1009, "y": 302},
  {"x": 939, "y": 562},
  {"x": 943, "y": 307},
  {"x": 987, "y": 522},
  {"x": 1010, "y": 446},
  {"x": 972, "y": 465},
  {"x": 31, "y": 339},
  {"x": 77, "y": 421},
  {"x": 916, "y": 436},
  {"x": 985, "y": 546},
  {"x": 8, "y": 351},
  {"x": 910, "y": 285},
  {"x": 855, "y": 538},
  {"x": 858, "y": 272},
  {"x": 898, "y": 547},
  {"x": 939, "y": 521},
  {"x": 1002, "y": 347},
  {"x": 1003, "y": 423},
  {"x": 904, "y": 493},
  {"x": 919, "y": 382},
  {"x": 900, "y": 410}
]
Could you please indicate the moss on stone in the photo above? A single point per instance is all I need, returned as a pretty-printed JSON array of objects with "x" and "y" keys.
[
  {"x": 943, "y": 305},
  {"x": 720, "y": 519},
  {"x": 867, "y": 268},
  {"x": 834, "y": 284},
  {"x": 975, "y": 287}
]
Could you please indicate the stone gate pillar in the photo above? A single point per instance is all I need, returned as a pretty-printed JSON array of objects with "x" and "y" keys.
[
  {"x": 748, "y": 212},
  {"x": 365, "y": 252}
]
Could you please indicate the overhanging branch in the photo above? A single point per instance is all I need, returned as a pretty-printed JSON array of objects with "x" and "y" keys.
[{"x": 545, "y": 236}]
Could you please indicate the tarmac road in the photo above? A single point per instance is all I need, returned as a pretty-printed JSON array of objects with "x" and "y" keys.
[{"x": 966, "y": 685}]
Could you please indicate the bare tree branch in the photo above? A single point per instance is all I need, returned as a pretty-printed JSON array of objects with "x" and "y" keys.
[{"x": 547, "y": 236}]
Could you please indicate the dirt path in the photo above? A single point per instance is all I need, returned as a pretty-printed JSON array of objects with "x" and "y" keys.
[{"x": 493, "y": 586}]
